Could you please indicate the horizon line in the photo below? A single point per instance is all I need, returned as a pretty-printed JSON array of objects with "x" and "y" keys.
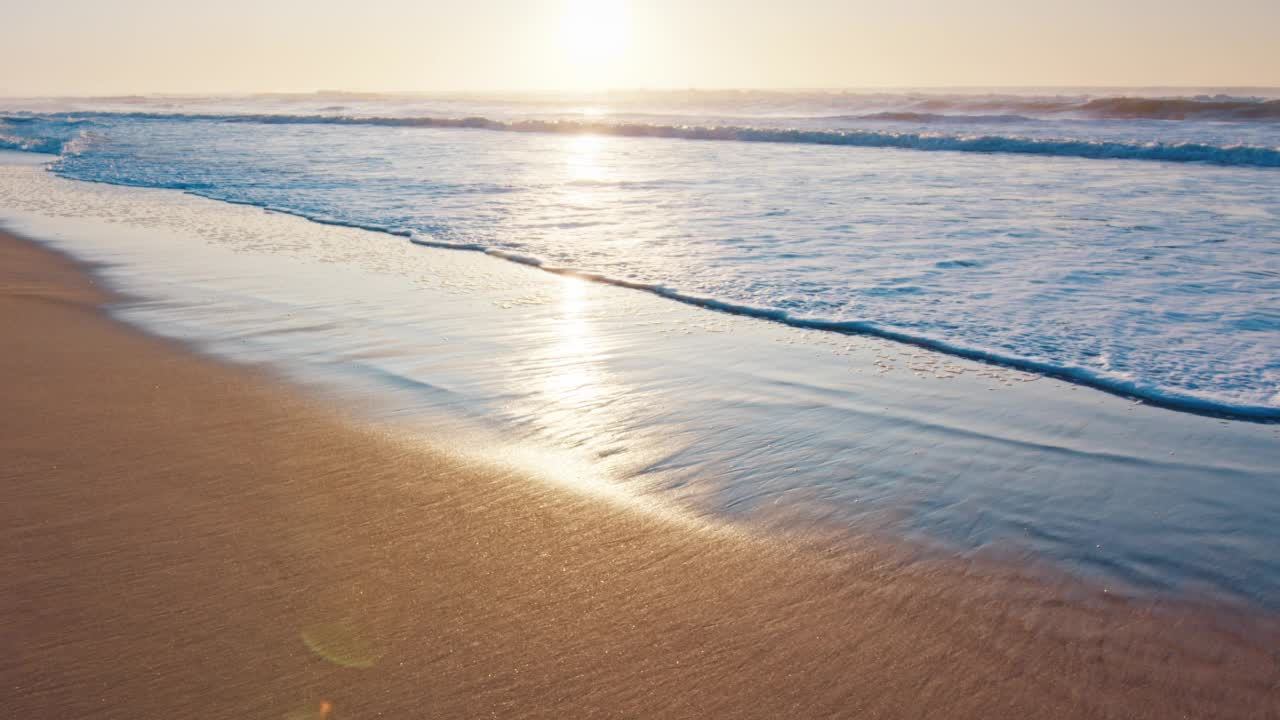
[{"x": 642, "y": 89}]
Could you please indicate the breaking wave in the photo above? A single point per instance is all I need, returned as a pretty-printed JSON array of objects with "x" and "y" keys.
[
  {"x": 1212, "y": 108},
  {"x": 1201, "y": 152},
  {"x": 33, "y": 134}
]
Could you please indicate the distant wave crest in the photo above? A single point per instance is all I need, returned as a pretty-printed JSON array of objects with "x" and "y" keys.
[
  {"x": 1240, "y": 155},
  {"x": 1183, "y": 109},
  {"x": 1219, "y": 108},
  {"x": 919, "y": 117}
]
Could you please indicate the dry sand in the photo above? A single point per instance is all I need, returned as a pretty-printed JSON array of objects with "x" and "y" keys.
[{"x": 183, "y": 539}]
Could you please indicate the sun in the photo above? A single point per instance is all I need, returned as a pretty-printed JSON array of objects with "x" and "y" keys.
[{"x": 594, "y": 31}]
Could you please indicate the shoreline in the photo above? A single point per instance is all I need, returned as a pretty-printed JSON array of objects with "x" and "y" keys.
[
  {"x": 1076, "y": 376},
  {"x": 179, "y": 533},
  {"x": 634, "y": 397}
]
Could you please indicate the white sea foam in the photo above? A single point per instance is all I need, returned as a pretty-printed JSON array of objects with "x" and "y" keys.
[{"x": 1042, "y": 243}]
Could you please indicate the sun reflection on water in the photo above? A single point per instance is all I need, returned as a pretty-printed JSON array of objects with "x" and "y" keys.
[
  {"x": 573, "y": 361},
  {"x": 574, "y": 378},
  {"x": 582, "y": 158}
]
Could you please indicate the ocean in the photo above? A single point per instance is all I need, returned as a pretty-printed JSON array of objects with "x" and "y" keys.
[{"x": 1066, "y": 303}]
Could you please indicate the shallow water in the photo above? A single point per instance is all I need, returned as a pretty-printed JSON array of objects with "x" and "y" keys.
[
  {"x": 630, "y": 395},
  {"x": 1065, "y": 234}
]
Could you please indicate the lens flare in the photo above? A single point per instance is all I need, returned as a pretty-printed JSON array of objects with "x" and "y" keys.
[{"x": 339, "y": 643}]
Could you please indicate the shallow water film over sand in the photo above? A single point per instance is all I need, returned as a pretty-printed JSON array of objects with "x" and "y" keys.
[
  {"x": 210, "y": 543},
  {"x": 687, "y": 411}
]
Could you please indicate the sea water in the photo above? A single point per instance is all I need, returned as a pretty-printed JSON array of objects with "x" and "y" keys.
[
  {"x": 1127, "y": 243},
  {"x": 1130, "y": 242}
]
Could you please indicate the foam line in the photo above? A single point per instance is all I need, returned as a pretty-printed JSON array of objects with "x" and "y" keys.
[{"x": 1236, "y": 155}]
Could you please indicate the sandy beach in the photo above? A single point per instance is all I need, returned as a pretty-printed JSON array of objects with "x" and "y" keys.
[{"x": 183, "y": 538}]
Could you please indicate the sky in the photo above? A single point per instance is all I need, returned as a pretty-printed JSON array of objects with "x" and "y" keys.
[{"x": 97, "y": 47}]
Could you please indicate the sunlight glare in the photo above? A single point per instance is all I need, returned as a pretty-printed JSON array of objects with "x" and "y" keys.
[
  {"x": 594, "y": 31},
  {"x": 582, "y": 160}
]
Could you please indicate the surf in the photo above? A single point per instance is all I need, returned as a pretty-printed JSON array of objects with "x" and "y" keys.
[{"x": 1065, "y": 147}]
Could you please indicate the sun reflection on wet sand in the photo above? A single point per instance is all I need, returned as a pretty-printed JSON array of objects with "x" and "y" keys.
[{"x": 574, "y": 377}]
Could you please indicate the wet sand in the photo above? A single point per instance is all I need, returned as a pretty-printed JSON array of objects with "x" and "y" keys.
[{"x": 181, "y": 538}]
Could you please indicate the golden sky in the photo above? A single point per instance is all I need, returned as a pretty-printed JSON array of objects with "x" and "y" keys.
[{"x": 138, "y": 46}]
